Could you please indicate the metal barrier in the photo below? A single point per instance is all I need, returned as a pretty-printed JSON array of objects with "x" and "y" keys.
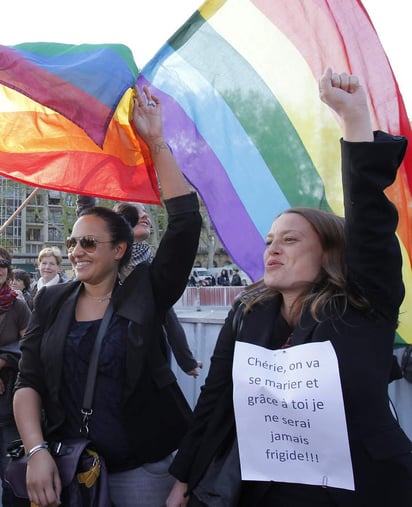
[
  {"x": 209, "y": 296},
  {"x": 202, "y": 312},
  {"x": 202, "y": 329}
]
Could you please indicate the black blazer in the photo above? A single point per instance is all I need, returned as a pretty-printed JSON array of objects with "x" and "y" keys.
[
  {"x": 155, "y": 411},
  {"x": 363, "y": 341}
]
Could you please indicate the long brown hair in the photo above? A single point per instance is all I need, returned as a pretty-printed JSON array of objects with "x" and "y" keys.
[{"x": 330, "y": 291}]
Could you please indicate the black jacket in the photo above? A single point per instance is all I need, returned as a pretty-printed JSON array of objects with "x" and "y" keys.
[
  {"x": 155, "y": 412},
  {"x": 363, "y": 341}
]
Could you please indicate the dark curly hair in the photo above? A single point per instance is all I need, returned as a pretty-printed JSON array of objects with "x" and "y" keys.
[
  {"x": 120, "y": 230},
  {"x": 20, "y": 274},
  {"x": 128, "y": 211}
]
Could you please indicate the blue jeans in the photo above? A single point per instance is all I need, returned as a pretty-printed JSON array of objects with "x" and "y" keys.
[{"x": 146, "y": 486}]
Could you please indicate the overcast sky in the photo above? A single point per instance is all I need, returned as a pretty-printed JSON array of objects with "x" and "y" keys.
[{"x": 145, "y": 25}]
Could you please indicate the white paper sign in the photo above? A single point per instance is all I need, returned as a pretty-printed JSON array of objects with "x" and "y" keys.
[{"x": 290, "y": 416}]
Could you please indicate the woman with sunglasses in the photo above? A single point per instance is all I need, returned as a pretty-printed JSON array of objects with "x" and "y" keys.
[
  {"x": 14, "y": 317},
  {"x": 139, "y": 413}
]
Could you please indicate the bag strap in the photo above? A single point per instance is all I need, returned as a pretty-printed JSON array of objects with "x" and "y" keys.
[{"x": 87, "y": 409}]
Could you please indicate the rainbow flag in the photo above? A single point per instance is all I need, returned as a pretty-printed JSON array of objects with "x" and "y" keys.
[
  {"x": 239, "y": 83},
  {"x": 64, "y": 121}
]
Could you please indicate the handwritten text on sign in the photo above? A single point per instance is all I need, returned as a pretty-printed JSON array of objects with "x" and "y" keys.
[{"x": 290, "y": 416}]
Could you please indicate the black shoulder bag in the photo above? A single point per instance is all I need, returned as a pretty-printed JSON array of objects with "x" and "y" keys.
[
  {"x": 8, "y": 375},
  {"x": 82, "y": 471}
]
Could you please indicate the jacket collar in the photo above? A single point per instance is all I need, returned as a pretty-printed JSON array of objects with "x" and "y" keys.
[
  {"x": 260, "y": 322},
  {"x": 60, "y": 327},
  {"x": 304, "y": 331},
  {"x": 131, "y": 304}
]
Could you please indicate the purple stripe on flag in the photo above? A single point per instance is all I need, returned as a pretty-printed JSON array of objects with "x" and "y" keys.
[{"x": 200, "y": 164}]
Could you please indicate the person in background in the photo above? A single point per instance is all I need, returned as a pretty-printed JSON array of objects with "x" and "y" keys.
[
  {"x": 191, "y": 282},
  {"x": 135, "y": 214},
  {"x": 325, "y": 279},
  {"x": 49, "y": 261},
  {"x": 14, "y": 318},
  {"x": 33, "y": 282},
  {"x": 236, "y": 281},
  {"x": 21, "y": 283},
  {"x": 223, "y": 278},
  {"x": 83, "y": 202},
  {"x": 139, "y": 412},
  {"x": 212, "y": 280}
]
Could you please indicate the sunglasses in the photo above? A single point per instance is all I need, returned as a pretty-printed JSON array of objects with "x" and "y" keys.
[
  {"x": 4, "y": 263},
  {"x": 88, "y": 243}
]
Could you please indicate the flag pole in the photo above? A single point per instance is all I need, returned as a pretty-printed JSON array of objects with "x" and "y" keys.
[{"x": 22, "y": 205}]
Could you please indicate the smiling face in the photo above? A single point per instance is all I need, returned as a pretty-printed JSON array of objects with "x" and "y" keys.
[
  {"x": 18, "y": 284},
  {"x": 101, "y": 265},
  {"x": 142, "y": 229},
  {"x": 48, "y": 267},
  {"x": 293, "y": 255}
]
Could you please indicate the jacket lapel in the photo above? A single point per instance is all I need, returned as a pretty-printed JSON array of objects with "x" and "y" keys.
[
  {"x": 303, "y": 333},
  {"x": 133, "y": 305},
  {"x": 258, "y": 325},
  {"x": 136, "y": 306},
  {"x": 57, "y": 333}
]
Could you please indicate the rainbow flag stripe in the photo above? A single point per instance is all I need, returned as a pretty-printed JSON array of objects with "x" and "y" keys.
[
  {"x": 239, "y": 83},
  {"x": 64, "y": 120}
]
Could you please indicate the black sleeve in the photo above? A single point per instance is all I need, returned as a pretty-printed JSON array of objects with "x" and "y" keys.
[
  {"x": 176, "y": 337},
  {"x": 372, "y": 249},
  {"x": 174, "y": 258}
]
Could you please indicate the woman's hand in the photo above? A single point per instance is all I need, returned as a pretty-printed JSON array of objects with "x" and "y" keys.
[
  {"x": 344, "y": 94},
  {"x": 147, "y": 119},
  {"x": 195, "y": 373},
  {"x": 43, "y": 480},
  {"x": 147, "y": 116},
  {"x": 177, "y": 496}
]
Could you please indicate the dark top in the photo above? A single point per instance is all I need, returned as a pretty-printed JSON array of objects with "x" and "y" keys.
[
  {"x": 13, "y": 321},
  {"x": 106, "y": 420},
  {"x": 35, "y": 290},
  {"x": 176, "y": 337},
  {"x": 153, "y": 410},
  {"x": 28, "y": 298},
  {"x": 363, "y": 342}
]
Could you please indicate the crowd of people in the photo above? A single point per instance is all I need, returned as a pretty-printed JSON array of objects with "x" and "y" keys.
[
  {"x": 326, "y": 278},
  {"x": 224, "y": 279}
]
